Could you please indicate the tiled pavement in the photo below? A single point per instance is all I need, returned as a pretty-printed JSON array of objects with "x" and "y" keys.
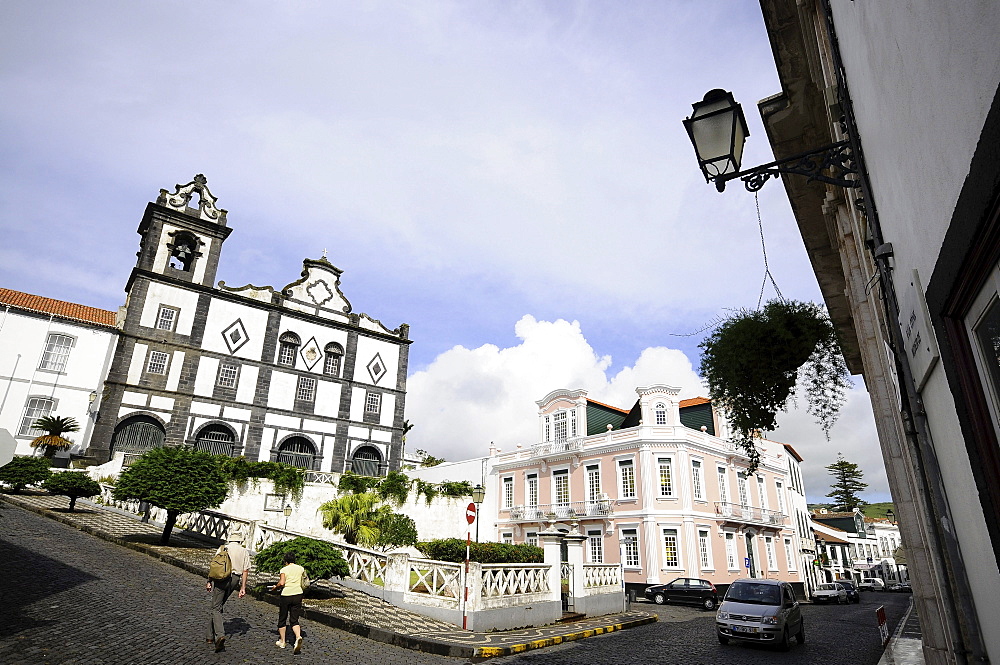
[{"x": 343, "y": 608}]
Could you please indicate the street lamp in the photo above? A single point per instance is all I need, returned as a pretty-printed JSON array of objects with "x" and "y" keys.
[
  {"x": 718, "y": 129},
  {"x": 288, "y": 513},
  {"x": 890, "y": 515},
  {"x": 478, "y": 494}
]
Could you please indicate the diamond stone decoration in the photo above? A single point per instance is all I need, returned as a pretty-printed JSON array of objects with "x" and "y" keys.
[
  {"x": 320, "y": 292},
  {"x": 311, "y": 353},
  {"x": 235, "y": 336},
  {"x": 376, "y": 368}
]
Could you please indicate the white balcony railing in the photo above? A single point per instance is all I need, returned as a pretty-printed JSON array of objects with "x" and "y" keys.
[
  {"x": 557, "y": 447},
  {"x": 741, "y": 513},
  {"x": 561, "y": 511}
]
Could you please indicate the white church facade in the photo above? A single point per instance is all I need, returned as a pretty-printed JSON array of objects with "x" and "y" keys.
[{"x": 290, "y": 374}]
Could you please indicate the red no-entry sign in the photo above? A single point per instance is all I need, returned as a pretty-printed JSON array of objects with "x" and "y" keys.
[{"x": 470, "y": 513}]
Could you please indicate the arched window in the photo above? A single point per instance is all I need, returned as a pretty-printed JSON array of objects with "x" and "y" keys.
[
  {"x": 332, "y": 355},
  {"x": 297, "y": 451},
  {"x": 216, "y": 439},
  {"x": 660, "y": 410},
  {"x": 183, "y": 250},
  {"x": 288, "y": 348},
  {"x": 365, "y": 461},
  {"x": 136, "y": 435}
]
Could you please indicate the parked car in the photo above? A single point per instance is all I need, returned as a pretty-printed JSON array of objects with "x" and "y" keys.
[
  {"x": 686, "y": 590},
  {"x": 831, "y": 592},
  {"x": 853, "y": 594},
  {"x": 903, "y": 587},
  {"x": 871, "y": 584},
  {"x": 761, "y": 611}
]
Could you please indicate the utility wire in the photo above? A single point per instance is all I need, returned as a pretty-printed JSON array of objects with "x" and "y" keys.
[{"x": 763, "y": 248}]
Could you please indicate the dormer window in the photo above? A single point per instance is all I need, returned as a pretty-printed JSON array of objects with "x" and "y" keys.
[
  {"x": 183, "y": 251},
  {"x": 288, "y": 348},
  {"x": 563, "y": 425}
]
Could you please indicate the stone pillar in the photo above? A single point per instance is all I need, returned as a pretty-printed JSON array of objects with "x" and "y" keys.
[
  {"x": 574, "y": 548},
  {"x": 397, "y": 572},
  {"x": 551, "y": 540}
]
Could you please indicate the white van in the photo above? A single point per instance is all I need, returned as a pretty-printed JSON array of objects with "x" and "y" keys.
[{"x": 871, "y": 584}]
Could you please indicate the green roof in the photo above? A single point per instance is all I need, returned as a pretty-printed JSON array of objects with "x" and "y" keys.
[
  {"x": 599, "y": 416},
  {"x": 697, "y": 415}
]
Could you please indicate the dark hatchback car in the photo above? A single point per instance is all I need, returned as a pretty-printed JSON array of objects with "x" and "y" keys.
[
  {"x": 853, "y": 595},
  {"x": 685, "y": 590}
]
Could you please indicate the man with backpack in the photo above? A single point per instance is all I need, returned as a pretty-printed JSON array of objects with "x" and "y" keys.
[{"x": 228, "y": 569}]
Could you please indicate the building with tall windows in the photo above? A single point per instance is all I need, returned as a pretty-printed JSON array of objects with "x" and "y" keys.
[
  {"x": 656, "y": 487},
  {"x": 53, "y": 357},
  {"x": 290, "y": 374},
  {"x": 907, "y": 261}
]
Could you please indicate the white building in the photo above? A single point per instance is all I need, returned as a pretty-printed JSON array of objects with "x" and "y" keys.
[
  {"x": 54, "y": 356},
  {"x": 907, "y": 263},
  {"x": 290, "y": 374}
]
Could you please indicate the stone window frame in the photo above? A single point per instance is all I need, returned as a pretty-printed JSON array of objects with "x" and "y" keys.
[
  {"x": 166, "y": 356},
  {"x": 171, "y": 321},
  {"x": 288, "y": 349},
  {"x": 25, "y": 430},
  {"x": 221, "y": 374},
  {"x": 305, "y": 389},
  {"x": 333, "y": 359},
  {"x": 675, "y": 530},
  {"x": 55, "y": 356},
  {"x": 507, "y": 496},
  {"x": 627, "y": 485},
  {"x": 698, "y": 479}
]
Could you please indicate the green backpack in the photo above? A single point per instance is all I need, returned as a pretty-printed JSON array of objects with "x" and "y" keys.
[{"x": 221, "y": 566}]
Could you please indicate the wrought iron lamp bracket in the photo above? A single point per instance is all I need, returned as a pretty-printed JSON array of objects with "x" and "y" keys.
[{"x": 832, "y": 164}]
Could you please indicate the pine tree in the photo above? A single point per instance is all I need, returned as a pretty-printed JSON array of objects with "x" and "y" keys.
[{"x": 847, "y": 484}]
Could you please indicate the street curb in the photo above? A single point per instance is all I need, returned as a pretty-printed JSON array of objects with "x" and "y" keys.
[{"x": 436, "y": 647}]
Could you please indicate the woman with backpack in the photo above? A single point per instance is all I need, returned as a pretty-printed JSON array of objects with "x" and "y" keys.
[{"x": 293, "y": 583}]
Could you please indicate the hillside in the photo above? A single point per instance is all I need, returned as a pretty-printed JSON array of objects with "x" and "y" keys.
[{"x": 876, "y": 510}]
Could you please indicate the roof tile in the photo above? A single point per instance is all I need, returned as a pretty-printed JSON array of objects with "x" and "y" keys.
[{"x": 60, "y": 308}]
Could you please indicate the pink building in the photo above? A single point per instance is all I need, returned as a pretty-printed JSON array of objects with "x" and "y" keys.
[{"x": 656, "y": 487}]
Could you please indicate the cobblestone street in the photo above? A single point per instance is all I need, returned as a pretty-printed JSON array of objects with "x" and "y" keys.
[
  {"x": 835, "y": 635},
  {"x": 71, "y": 598},
  {"x": 75, "y": 599}
]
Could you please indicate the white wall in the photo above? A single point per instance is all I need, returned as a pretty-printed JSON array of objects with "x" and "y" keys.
[
  {"x": 22, "y": 341},
  {"x": 923, "y": 75}
]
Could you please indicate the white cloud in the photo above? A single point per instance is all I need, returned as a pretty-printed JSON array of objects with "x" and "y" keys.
[{"x": 467, "y": 398}]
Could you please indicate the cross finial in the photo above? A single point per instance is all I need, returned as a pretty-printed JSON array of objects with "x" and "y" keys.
[{"x": 324, "y": 252}]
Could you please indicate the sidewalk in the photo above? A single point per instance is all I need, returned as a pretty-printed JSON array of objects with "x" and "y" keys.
[
  {"x": 905, "y": 646},
  {"x": 339, "y": 607}
]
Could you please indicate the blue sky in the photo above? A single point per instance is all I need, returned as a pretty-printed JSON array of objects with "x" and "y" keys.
[{"x": 512, "y": 179}]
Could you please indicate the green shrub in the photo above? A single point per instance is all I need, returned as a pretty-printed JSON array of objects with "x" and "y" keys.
[
  {"x": 352, "y": 483},
  {"x": 320, "y": 559},
  {"x": 73, "y": 484},
  {"x": 395, "y": 487},
  {"x": 453, "y": 549},
  {"x": 396, "y": 530},
  {"x": 428, "y": 490},
  {"x": 23, "y": 471},
  {"x": 456, "y": 488},
  {"x": 287, "y": 479}
]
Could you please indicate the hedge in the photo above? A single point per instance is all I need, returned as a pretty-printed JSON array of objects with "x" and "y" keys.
[{"x": 453, "y": 549}]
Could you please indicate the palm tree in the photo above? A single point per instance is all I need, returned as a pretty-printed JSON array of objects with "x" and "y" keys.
[
  {"x": 54, "y": 427},
  {"x": 356, "y": 517}
]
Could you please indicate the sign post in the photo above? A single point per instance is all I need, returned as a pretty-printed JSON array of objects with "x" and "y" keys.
[
  {"x": 883, "y": 627},
  {"x": 470, "y": 517}
]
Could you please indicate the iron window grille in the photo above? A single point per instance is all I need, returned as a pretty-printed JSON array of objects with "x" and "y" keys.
[{"x": 157, "y": 362}]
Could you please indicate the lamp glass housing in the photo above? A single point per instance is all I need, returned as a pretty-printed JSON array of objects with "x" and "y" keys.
[
  {"x": 288, "y": 511},
  {"x": 478, "y": 494},
  {"x": 718, "y": 130}
]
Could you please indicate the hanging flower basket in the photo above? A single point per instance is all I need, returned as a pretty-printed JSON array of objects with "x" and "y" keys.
[{"x": 754, "y": 360}]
